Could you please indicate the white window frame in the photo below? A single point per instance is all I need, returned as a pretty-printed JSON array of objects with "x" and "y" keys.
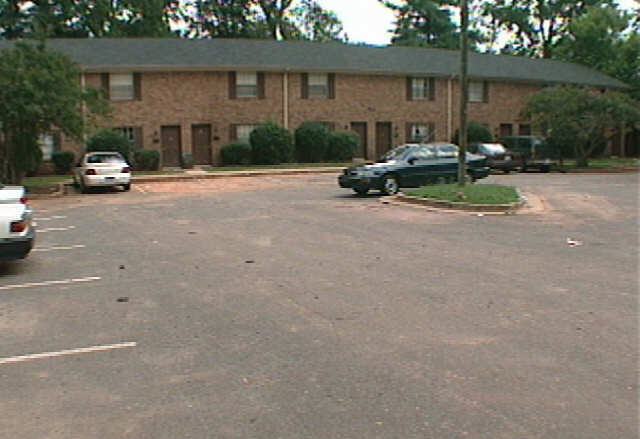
[
  {"x": 47, "y": 146},
  {"x": 421, "y": 132},
  {"x": 318, "y": 85},
  {"x": 476, "y": 91},
  {"x": 121, "y": 87},
  {"x": 420, "y": 88},
  {"x": 246, "y": 85},
  {"x": 243, "y": 132}
]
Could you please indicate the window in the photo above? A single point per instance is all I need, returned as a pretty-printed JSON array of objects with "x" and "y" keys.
[
  {"x": 49, "y": 143},
  {"x": 419, "y": 132},
  {"x": 134, "y": 134},
  {"x": 524, "y": 129},
  {"x": 241, "y": 133},
  {"x": 121, "y": 87},
  {"x": 421, "y": 89},
  {"x": 318, "y": 86},
  {"x": 478, "y": 91},
  {"x": 506, "y": 129},
  {"x": 246, "y": 85}
]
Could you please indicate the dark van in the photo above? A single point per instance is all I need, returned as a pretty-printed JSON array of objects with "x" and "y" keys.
[{"x": 535, "y": 151}]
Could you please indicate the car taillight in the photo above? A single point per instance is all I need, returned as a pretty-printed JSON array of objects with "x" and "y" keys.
[
  {"x": 24, "y": 200},
  {"x": 18, "y": 226},
  {"x": 90, "y": 172},
  {"x": 126, "y": 170}
]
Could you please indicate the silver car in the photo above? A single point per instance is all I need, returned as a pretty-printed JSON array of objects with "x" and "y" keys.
[{"x": 100, "y": 169}]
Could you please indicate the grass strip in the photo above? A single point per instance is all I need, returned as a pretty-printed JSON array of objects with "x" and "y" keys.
[
  {"x": 280, "y": 166},
  {"x": 471, "y": 193}
]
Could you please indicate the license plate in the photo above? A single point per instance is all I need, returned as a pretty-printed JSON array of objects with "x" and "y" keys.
[
  {"x": 109, "y": 178},
  {"x": 507, "y": 157}
]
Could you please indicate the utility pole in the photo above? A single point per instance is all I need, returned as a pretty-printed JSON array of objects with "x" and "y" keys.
[{"x": 464, "y": 92}]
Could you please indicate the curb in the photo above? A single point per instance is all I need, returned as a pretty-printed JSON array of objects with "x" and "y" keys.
[{"x": 508, "y": 209}]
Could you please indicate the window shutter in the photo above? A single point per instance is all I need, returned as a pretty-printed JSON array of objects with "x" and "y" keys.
[
  {"x": 104, "y": 77},
  {"x": 233, "y": 132},
  {"x": 485, "y": 91},
  {"x": 409, "y": 89},
  {"x": 137, "y": 138},
  {"x": 304, "y": 84},
  {"x": 137, "y": 86},
  {"x": 432, "y": 89},
  {"x": 261, "y": 91},
  {"x": 232, "y": 85},
  {"x": 407, "y": 131},
  {"x": 332, "y": 85},
  {"x": 432, "y": 131}
]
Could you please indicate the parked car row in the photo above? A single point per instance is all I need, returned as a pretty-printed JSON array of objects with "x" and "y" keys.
[
  {"x": 517, "y": 153},
  {"x": 17, "y": 234}
]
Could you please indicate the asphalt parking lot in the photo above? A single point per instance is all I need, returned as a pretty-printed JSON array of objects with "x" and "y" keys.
[{"x": 286, "y": 307}]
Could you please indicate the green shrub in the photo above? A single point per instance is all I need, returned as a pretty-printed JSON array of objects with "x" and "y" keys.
[
  {"x": 110, "y": 140},
  {"x": 32, "y": 159},
  {"x": 236, "y": 153},
  {"x": 476, "y": 132},
  {"x": 312, "y": 141},
  {"x": 271, "y": 144},
  {"x": 342, "y": 146},
  {"x": 147, "y": 160},
  {"x": 62, "y": 161}
]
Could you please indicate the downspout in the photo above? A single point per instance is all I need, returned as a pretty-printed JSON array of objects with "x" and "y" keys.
[
  {"x": 285, "y": 100},
  {"x": 449, "y": 108},
  {"x": 83, "y": 84}
]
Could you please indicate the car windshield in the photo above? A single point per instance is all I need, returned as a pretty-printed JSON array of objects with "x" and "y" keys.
[
  {"x": 447, "y": 151},
  {"x": 492, "y": 148},
  {"x": 105, "y": 158},
  {"x": 395, "y": 154}
]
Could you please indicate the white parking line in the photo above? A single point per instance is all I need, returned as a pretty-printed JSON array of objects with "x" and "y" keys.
[
  {"x": 102, "y": 348},
  {"x": 50, "y": 218},
  {"x": 49, "y": 283},
  {"x": 58, "y": 247},
  {"x": 56, "y": 229}
]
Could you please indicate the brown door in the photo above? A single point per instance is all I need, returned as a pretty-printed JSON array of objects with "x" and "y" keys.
[
  {"x": 171, "y": 147},
  {"x": 361, "y": 129},
  {"x": 506, "y": 129},
  {"x": 383, "y": 138},
  {"x": 201, "y": 144}
]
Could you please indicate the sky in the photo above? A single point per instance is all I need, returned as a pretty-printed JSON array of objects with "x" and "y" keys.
[{"x": 369, "y": 22}]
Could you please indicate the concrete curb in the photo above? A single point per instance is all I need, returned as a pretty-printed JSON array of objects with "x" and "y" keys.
[{"x": 507, "y": 209}]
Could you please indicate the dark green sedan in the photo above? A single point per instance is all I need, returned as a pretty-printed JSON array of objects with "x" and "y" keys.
[{"x": 412, "y": 165}]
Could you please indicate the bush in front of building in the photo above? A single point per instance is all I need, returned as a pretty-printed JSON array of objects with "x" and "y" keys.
[
  {"x": 62, "y": 161},
  {"x": 110, "y": 140},
  {"x": 342, "y": 146},
  {"x": 147, "y": 160},
  {"x": 476, "y": 132},
  {"x": 311, "y": 142},
  {"x": 236, "y": 153},
  {"x": 271, "y": 144}
]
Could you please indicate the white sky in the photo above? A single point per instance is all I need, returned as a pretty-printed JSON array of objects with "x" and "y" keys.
[{"x": 369, "y": 22}]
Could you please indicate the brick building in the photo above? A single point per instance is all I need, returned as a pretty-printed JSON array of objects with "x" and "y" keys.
[{"x": 191, "y": 97}]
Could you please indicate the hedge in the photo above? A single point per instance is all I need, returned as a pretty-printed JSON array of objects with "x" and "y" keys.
[
  {"x": 311, "y": 142},
  {"x": 110, "y": 140},
  {"x": 147, "y": 160},
  {"x": 62, "y": 161},
  {"x": 271, "y": 144},
  {"x": 342, "y": 146},
  {"x": 236, "y": 153}
]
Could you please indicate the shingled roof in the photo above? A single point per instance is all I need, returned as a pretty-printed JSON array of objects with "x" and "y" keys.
[{"x": 173, "y": 54}]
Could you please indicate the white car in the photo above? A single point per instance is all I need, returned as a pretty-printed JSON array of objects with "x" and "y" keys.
[
  {"x": 17, "y": 234},
  {"x": 100, "y": 169}
]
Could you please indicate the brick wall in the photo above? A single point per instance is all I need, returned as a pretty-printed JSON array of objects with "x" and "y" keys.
[{"x": 190, "y": 98}]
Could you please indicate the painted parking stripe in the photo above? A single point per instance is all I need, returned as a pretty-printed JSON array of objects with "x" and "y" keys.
[
  {"x": 56, "y": 229},
  {"x": 58, "y": 247},
  {"x": 46, "y": 218},
  {"x": 101, "y": 348},
  {"x": 50, "y": 283}
]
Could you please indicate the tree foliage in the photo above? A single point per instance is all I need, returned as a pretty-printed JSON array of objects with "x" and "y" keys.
[
  {"x": 599, "y": 39},
  {"x": 580, "y": 117},
  {"x": 40, "y": 92},
  {"x": 535, "y": 26},
  {"x": 93, "y": 18}
]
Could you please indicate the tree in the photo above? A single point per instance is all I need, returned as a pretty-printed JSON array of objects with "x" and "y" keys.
[
  {"x": 535, "y": 26},
  {"x": 226, "y": 19},
  {"x": 427, "y": 23},
  {"x": 40, "y": 92},
  {"x": 580, "y": 116},
  {"x": 314, "y": 23},
  {"x": 599, "y": 39}
]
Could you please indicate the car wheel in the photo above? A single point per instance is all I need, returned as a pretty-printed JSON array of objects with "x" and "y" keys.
[
  {"x": 126, "y": 187},
  {"x": 506, "y": 171},
  {"x": 390, "y": 185},
  {"x": 361, "y": 191}
]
